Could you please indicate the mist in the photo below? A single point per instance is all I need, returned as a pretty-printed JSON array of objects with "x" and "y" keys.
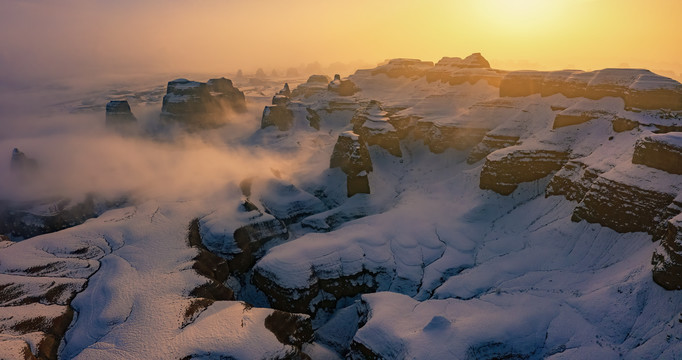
[{"x": 77, "y": 155}]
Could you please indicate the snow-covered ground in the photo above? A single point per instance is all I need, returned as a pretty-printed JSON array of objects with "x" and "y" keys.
[{"x": 445, "y": 270}]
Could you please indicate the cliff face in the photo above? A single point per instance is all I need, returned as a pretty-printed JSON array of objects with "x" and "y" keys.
[
  {"x": 667, "y": 259},
  {"x": 660, "y": 151},
  {"x": 504, "y": 171}
]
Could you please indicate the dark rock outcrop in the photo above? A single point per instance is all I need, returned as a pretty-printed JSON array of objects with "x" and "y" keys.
[
  {"x": 342, "y": 87},
  {"x": 226, "y": 94},
  {"x": 667, "y": 259},
  {"x": 374, "y": 126},
  {"x": 37, "y": 218},
  {"x": 504, "y": 170},
  {"x": 199, "y": 105},
  {"x": 277, "y": 115},
  {"x": 352, "y": 156},
  {"x": 308, "y": 300},
  {"x": 285, "y": 90},
  {"x": 660, "y": 151},
  {"x": 290, "y": 329},
  {"x": 118, "y": 114},
  {"x": 285, "y": 115},
  {"x": 210, "y": 266},
  {"x": 22, "y": 163}
]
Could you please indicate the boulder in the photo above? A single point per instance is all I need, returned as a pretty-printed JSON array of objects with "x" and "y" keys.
[
  {"x": 118, "y": 114},
  {"x": 373, "y": 125}
]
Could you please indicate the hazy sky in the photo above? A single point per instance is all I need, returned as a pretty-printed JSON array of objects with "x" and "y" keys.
[{"x": 41, "y": 38}]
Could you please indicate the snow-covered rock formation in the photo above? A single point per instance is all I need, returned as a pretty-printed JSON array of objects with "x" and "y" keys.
[
  {"x": 350, "y": 154},
  {"x": 639, "y": 88},
  {"x": 201, "y": 105},
  {"x": 342, "y": 87},
  {"x": 374, "y": 126}
]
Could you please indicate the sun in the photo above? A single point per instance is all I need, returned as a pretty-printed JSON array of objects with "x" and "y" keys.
[{"x": 519, "y": 15}]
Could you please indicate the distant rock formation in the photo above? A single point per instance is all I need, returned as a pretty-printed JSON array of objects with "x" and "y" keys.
[
  {"x": 200, "y": 105},
  {"x": 639, "y": 88},
  {"x": 342, "y": 87},
  {"x": 451, "y": 70},
  {"x": 373, "y": 125},
  {"x": 351, "y": 155},
  {"x": 119, "y": 115},
  {"x": 471, "y": 69},
  {"x": 314, "y": 85},
  {"x": 410, "y": 68},
  {"x": 22, "y": 163}
]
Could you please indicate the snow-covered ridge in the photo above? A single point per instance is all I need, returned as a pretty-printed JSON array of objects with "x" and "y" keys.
[{"x": 639, "y": 88}]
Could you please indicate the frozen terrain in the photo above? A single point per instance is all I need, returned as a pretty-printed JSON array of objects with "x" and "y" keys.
[{"x": 410, "y": 211}]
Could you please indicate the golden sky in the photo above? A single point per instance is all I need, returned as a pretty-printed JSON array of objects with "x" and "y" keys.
[{"x": 72, "y": 36}]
